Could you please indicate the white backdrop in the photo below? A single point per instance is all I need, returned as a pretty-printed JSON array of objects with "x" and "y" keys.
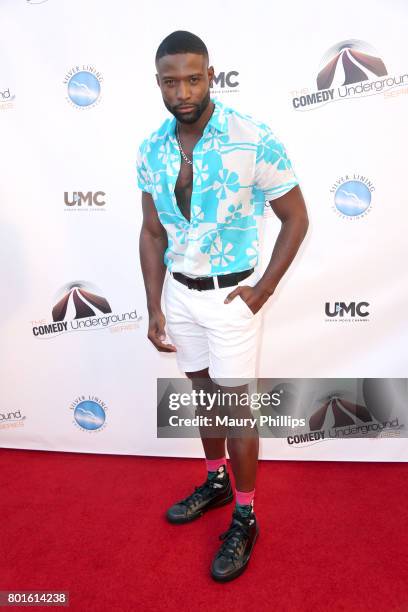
[{"x": 53, "y": 239}]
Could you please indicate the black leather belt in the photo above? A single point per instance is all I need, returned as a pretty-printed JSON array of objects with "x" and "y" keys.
[{"x": 202, "y": 283}]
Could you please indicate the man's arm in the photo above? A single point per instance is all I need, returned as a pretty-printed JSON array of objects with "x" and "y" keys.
[
  {"x": 152, "y": 245},
  {"x": 291, "y": 210}
]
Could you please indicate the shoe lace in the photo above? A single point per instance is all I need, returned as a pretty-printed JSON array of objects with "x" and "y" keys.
[
  {"x": 199, "y": 494},
  {"x": 234, "y": 538}
]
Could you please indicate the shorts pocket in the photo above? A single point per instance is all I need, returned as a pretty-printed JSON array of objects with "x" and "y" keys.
[{"x": 246, "y": 307}]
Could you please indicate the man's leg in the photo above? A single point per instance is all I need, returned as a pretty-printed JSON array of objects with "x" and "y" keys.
[
  {"x": 243, "y": 446},
  {"x": 214, "y": 447},
  {"x": 243, "y": 451},
  {"x": 217, "y": 490}
]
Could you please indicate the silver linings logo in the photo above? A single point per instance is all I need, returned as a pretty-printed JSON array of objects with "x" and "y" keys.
[
  {"x": 83, "y": 86},
  {"x": 89, "y": 413},
  {"x": 352, "y": 196}
]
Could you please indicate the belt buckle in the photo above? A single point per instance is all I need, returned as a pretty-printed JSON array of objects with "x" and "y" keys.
[{"x": 195, "y": 283}]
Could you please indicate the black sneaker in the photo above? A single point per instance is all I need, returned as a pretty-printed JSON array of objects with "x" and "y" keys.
[
  {"x": 213, "y": 493},
  {"x": 234, "y": 554}
]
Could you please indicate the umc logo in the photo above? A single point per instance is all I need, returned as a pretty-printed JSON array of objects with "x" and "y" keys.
[
  {"x": 225, "y": 79},
  {"x": 88, "y": 199},
  {"x": 347, "y": 311}
]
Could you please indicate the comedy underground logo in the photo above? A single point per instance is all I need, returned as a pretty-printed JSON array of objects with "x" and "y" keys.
[
  {"x": 339, "y": 418},
  {"x": 349, "y": 69},
  {"x": 12, "y": 419},
  {"x": 79, "y": 306},
  {"x": 7, "y": 98}
]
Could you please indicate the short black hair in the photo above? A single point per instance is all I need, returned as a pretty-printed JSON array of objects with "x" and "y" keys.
[{"x": 181, "y": 41}]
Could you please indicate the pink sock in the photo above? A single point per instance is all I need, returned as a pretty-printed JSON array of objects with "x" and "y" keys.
[
  {"x": 214, "y": 464},
  {"x": 244, "y": 498}
]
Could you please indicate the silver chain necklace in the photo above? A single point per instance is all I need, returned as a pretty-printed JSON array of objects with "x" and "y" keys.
[{"x": 181, "y": 148}]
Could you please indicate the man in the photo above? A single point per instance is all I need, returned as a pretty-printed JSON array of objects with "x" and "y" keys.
[{"x": 205, "y": 175}]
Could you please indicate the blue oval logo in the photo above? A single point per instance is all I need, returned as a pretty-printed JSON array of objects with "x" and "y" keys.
[
  {"x": 89, "y": 415},
  {"x": 352, "y": 198},
  {"x": 84, "y": 88}
]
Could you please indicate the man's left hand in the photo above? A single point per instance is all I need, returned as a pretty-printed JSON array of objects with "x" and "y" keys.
[{"x": 254, "y": 298}]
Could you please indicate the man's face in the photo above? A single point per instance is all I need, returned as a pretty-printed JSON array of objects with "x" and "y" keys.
[{"x": 184, "y": 80}]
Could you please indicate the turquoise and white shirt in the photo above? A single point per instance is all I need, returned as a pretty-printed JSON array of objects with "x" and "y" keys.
[{"x": 238, "y": 164}]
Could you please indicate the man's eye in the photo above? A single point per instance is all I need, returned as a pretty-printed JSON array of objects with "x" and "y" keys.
[
  {"x": 169, "y": 82},
  {"x": 194, "y": 79}
]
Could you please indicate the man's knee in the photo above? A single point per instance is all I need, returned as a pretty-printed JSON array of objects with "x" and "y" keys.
[{"x": 199, "y": 374}]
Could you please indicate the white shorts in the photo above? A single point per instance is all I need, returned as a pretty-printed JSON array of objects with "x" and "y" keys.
[{"x": 210, "y": 334}]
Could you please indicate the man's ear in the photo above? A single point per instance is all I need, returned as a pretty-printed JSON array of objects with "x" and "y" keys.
[
  {"x": 157, "y": 79},
  {"x": 211, "y": 74}
]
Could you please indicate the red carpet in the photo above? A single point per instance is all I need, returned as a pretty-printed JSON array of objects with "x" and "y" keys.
[{"x": 333, "y": 535}]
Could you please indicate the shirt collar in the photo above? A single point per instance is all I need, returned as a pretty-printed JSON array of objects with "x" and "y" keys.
[{"x": 218, "y": 119}]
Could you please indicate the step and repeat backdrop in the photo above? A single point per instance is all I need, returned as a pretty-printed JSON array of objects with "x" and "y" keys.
[{"x": 77, "y": 96}]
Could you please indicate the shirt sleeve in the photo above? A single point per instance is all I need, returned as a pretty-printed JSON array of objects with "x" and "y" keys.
[
  {"x": 143, "y": 177},
  {"x": 274, "y": 174}
]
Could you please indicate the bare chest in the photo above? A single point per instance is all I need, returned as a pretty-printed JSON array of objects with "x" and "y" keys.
[{"x": 184, "y": 184}]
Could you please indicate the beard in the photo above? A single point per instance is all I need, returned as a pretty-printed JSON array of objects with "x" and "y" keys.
[{"x": 195, "y": 114}]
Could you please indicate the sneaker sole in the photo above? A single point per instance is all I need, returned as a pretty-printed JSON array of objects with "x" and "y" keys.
[
  {"x": 181, "y": 521},
  {"x": 239, "y": 571}
]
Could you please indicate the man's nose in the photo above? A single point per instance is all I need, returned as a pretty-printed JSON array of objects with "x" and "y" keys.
[{"x": 183, "y": 91}]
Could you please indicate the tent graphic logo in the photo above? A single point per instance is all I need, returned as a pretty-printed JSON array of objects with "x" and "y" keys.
[
  {"x": 343, "y": 412},
  {"x": 348, "y": 62},
  {"x": 80, "y": 301}
]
